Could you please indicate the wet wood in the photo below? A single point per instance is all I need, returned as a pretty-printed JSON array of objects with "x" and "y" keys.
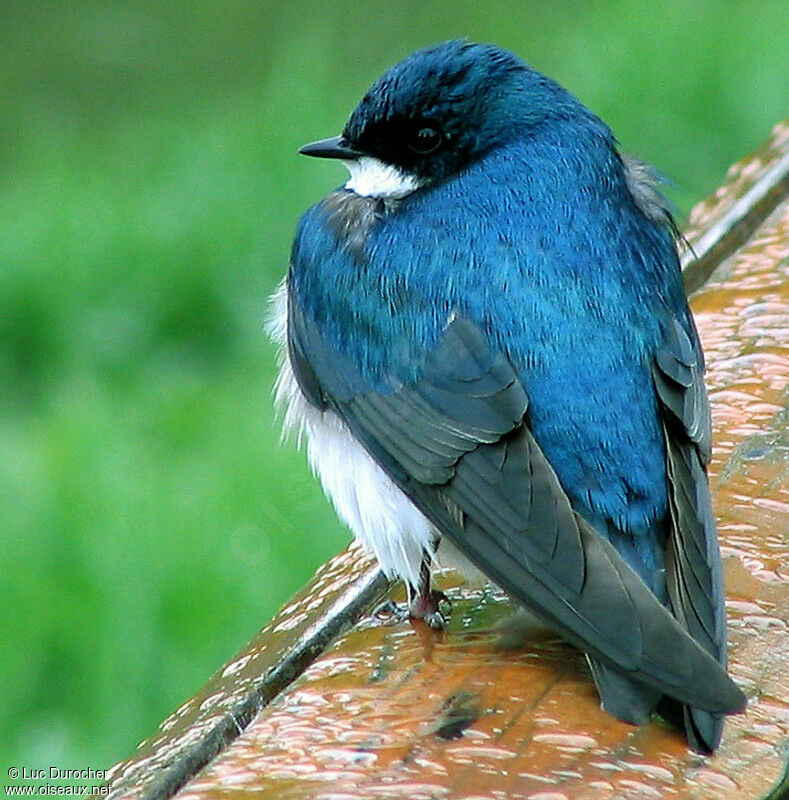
[
  {"x": 753, "y": 189},
  {"x": 331, "y": 702}
]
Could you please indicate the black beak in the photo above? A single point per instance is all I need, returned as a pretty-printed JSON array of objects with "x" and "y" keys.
[{"x": 336, "y": 147}]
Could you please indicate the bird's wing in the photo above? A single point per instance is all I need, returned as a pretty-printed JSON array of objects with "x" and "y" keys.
[
  {"x": 693, "y": 566},
  {"x": 456, "y": 443}
]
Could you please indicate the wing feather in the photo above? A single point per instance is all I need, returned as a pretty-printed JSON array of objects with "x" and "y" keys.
[
  {"x": 693, "y": 568},
  {"x": 456, "y": 442}
]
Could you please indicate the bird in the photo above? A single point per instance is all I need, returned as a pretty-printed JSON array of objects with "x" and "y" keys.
[{"x": 486, "y": 345}]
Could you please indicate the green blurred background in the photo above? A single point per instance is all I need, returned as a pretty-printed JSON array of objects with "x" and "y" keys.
[{"x": 150, "y": 523}]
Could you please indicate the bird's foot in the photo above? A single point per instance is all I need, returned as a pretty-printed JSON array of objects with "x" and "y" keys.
[
  {"x": 423, "y": 602},
  {"x": 427, "y": 607},
  {"x": 389, "y": 608},
  {"x": 428, "y": 610}
]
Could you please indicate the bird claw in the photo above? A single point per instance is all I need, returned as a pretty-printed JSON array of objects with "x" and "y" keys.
[
  {"x": 435, "y": 620},
  {"x": 425, "y": 609},
  {"x": 391, "y": 609}
]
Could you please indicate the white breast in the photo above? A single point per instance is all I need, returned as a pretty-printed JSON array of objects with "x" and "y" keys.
[
  {"x": 380, "y": 515},
  {"x": 371, "y": 177}
]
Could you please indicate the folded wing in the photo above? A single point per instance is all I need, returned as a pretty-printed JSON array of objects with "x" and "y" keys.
[
  {"x": 456, "y": 443},
  {"x": 693, "y": 567}
]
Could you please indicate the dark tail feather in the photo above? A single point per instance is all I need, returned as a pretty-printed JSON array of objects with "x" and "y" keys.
[
  {"x": 702, "y": 728},
  {"x": 628, "y": 700},
  {"x": 634, "y": 702}
]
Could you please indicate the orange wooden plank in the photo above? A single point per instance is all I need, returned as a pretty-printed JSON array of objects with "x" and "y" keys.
[
  {"x": 207, "y": 722},
  {"x": 395, "y": 710},
  {"x": 373, "y": 716}
]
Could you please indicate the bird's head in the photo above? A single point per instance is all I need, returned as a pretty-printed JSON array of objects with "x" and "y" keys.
[{"x": 437, "y": 111}]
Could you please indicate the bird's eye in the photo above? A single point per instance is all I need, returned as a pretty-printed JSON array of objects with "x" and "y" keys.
[{"x": 425, "y": 140}]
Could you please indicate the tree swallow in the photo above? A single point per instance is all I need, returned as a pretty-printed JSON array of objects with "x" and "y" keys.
[{"x": 487, "y": 347}]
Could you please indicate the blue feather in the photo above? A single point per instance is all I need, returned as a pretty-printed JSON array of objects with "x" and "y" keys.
[
  {"x": 490, "y": 209},
  {"x": 558, "y": 267}
]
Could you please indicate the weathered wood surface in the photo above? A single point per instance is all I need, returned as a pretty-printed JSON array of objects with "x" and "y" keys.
[{"x": 330, "y": 702}]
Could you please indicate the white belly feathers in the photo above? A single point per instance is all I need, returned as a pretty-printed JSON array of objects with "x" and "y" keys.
[{"x": 374, "y": 508}]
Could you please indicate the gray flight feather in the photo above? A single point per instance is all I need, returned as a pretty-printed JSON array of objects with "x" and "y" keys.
[{"x": 455, "y": 441}]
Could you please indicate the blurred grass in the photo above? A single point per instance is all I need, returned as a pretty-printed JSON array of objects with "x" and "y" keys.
[{"x": 149, "y": 521}]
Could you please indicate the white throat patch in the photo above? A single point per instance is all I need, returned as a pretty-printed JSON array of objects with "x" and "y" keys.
[{"x": 372, "y": 178}]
